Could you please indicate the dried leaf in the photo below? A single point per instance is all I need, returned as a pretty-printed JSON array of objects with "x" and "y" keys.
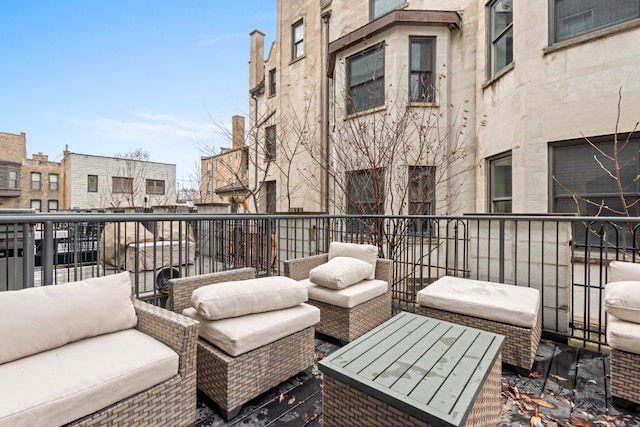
[
  {"x": 534, "y": 374},
  {"x": 558, "y": 377},
  {"x": 580, "y": 423},
  {"x": 293, "y": 399},
  {"x": 535, "y": 421},
  {"x": 305, "y": 417},
  {"x": 538, "y": 401},
  {"x": 281, "y": 397}
]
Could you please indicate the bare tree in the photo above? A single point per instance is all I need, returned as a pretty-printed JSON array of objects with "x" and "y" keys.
[
  {"x": 619, "y": 167},
  {"x": 403, "y": 159}
]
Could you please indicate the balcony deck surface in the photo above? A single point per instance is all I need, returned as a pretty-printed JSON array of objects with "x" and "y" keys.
[{"x": 569, "y": 386}]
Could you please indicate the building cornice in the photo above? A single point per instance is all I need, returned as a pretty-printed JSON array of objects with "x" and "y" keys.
[{"x": 451, "y": 19}]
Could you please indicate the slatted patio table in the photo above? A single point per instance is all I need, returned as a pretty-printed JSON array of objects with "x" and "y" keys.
[{"x": 414, "y": 370}]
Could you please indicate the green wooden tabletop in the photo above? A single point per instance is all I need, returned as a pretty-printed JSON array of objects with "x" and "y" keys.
[{"x": 426, "y": 367}]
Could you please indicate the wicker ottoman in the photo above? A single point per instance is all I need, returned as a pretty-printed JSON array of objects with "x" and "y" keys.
[
  {"x": 491, "y": 307},
  {"x": 412, "y": 370}
]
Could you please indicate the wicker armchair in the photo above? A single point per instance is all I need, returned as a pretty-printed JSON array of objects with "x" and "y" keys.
[
  {"x": 231, "y": 381},
  {"x": 346, "y": 324},
  {"x": 173, "y": 402}
]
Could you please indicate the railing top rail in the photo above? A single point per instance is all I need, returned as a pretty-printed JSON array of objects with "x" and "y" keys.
[{"x": 12, "y": 218}]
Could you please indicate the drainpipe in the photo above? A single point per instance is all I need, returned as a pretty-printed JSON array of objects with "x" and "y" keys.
[
  {"x": 324, "y": 128},
  {"x": 255, "y": 144}
]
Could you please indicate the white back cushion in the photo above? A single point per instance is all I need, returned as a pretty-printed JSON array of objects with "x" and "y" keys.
[
  {"x": 621, "y": 271},
  {"x": 241, "y": 297},
  {"x": 363, "y": 252},
  {"x": 340, "y": 272},
  {"x": 622, "y": 300},
  {"x": 37, "y": 319}
]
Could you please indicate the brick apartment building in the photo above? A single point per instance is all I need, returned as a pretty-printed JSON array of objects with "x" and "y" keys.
[
  {"x": 27, "y": 183},
  {"x": 80, "y": 181}
]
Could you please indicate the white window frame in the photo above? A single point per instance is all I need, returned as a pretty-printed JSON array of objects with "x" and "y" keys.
[
  {"x": 297, "y": 40},
  {"x": 495, "y": 38},
  {"x": 497, "y": 201},
  {"x": 36, "y": 180},
  {"x": 53, "y": 181},
  {"x": 422, "y": 78}
]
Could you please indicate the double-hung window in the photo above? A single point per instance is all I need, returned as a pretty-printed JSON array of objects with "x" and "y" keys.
[
  {"x": 596, "y": 182},
  {"x": 35, "y": 180},
  {"x": 365, "y": 196},
  {"x": 377, "y": 8},
  {"x": 297, "y": 40},
  {"x": 573, "y": 18},
  {"x": 365, "y": 79},
  {"x": 92, "y": 183},
  {"x": 270, "y": 197},
  {"x": 270, "y": 143},
  {"x": 500, "y": 36},
  {"x": 272, "y": 82},
  {"x": 421, "y": 193},
  {"x": 13, "y": 179},
  {"x": 500, "y": 186},
  {"x": 53, "y": 181},
  {"x": 421, "y": 78}
]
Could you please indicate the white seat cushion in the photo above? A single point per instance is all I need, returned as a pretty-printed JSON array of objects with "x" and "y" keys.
[
  {"x": 61, "y": 385},
  {"x": 341, "y": 272},
  {"x": 513, "y": 305},
  {"x": 622, "y": 300},
  {"x": 242, "y": 297},
  {"x": 623, "y": 335},
  {"x": 348, "y": 297},
  {"x": 239, "y": 335},
  {"x": 38, "y": 319}
]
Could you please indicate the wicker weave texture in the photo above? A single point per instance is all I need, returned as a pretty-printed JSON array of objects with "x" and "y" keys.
[
  {"x": 232, "y": 381},
  {"x": 344, "y": 405},
  {"x": 625, "y": 371},
  {"x": 172, "y": 402},
  {"x": 520, "y": 344},
  {"x": 346, "y": 324}
]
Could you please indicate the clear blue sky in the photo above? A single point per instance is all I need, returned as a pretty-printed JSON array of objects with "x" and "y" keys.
[{"x": 110, "y": 76}]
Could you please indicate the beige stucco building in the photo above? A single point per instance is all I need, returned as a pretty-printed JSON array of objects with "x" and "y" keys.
[
  {"x": 432, "y": 106},
  {"x": 99, "y": 183}
]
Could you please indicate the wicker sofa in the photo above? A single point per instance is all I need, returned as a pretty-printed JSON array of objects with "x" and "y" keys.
[
  {"x": 622, "y": 304},
  {"x": 256, "y": 332},
  {"x": 339, "y": 316},
  {"x": 86, "y": 354}
]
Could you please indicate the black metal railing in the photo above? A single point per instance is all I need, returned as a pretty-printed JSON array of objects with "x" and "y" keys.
[{"x": 565, "y": 257}]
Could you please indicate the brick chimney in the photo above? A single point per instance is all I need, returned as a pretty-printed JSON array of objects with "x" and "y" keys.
[
  {"x": 237, "y": 123},
  {"x": 256, "y": 61}
]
